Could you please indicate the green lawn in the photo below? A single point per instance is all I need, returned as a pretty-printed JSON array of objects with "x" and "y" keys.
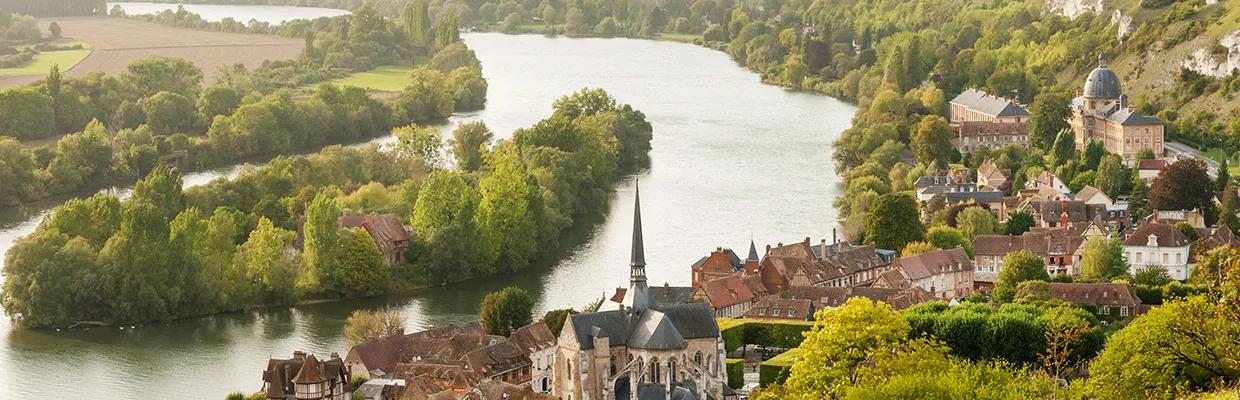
[
  {"x": 679, "y": 37},
  {"x": 1215, "y": 154},
  {"x": 43, "y": 61},
  {"x": 386, "y": 78}
]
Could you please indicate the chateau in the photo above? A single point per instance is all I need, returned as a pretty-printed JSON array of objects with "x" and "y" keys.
[
  {"x": 642, "y": 349},
  {"x": 1101, "y": 112}
]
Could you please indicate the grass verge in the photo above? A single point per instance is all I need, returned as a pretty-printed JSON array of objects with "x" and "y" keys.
[{"x": 42, "y": 62}]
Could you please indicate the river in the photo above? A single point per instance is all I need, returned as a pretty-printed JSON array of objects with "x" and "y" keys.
[{"x": 732, "y": 159}]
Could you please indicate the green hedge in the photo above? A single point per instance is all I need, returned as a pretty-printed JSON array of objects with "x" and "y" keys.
[
  {"x": 784, "y": 334},
  {"x": 776, "y": 370},
  {"x": 736, "y": 373}
]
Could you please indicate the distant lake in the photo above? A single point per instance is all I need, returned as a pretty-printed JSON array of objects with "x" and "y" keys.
[
  {"x": 214, "y": 12},
  {"x": 732, "y": 159}
]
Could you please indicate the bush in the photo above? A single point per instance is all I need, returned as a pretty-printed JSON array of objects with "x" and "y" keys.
[
  {"x": 737, "y": 333},
  {"x": 776, "y": 370},
  {"x": 736, "y": 373}
]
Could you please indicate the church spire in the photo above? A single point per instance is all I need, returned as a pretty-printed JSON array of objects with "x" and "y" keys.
[
  {"x": 638, "y": 258},
  {"x": 638, "y": 295}
]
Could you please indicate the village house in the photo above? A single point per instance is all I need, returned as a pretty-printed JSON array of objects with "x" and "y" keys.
[
  {"x": 1060, "y": 248},
  {"x": 386, "y": 230},
  {"x": 945, "y": 274},
  {"x": 1171, "y": 217},
  {"x": 538, "y": 343},
  {"x": 1070, "y": 213},
  {"x": 306, "y": 377},
  {"x": 1158, "y": 244},
  {"x": 640, "y": 349},
  {"x": 1149, "y": 169},
  {"x": 781, "y": 309},
  {"x": 729, "y": 297},
  {"x": 928, "y": 186},
  {"x": 831, "y": 297},
  {"x": 1093, "y": 196},
  {"x": 1047, "y": 179},
  {"x": 836, "y": 265},
  {"x": 992, "y": 178},
  {"x": 720, "y": 263},
  {"x": 1100, "y": 112},
  {"x": 375, "y": 358},
  {"x": 1107, "y": 299},
  {"x": 992, "y": 200},
  {"x": 985, "y": 120},
  {"x": 380, "y": 389}
]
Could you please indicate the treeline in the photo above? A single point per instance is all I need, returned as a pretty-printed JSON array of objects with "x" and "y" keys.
[
  {"x": 54, "y": 8},
  {"x": 229, "y": 245},
  {"x": 117, "y": 127}
]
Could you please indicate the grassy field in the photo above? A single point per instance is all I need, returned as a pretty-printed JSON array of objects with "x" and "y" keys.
[
  {"x": 117, "y": 42},
  {"x": 392, "y": 78},
  {"x": 43, "y": 61}
]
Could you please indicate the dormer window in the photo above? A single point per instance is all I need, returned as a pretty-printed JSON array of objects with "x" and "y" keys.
[
  {"x": 1153, "y": 241},
  {"x": 775, "y": 312},
  {"x": 762, "y": 311},
  {"x": 791, "y": 311}
]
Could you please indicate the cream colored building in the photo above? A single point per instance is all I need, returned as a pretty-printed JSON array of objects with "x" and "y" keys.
[
  {"x": 642, "y": 349},
  {"x": 1100, "y": 112}
]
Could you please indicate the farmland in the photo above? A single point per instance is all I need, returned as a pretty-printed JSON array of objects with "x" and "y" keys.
[{"x": 117, "y": 42}]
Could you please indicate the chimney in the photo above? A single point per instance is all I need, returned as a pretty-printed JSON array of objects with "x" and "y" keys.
[
  {"x": 834, "y": 239},
  {"x": 768, "y": 249},
  {"x": 823, "y": 249}
]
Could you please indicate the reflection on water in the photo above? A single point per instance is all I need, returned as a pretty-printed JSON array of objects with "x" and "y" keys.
[{"x": 732, "y": 159}]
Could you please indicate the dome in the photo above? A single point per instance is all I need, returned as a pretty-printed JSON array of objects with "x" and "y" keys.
[{"x": 1102, "y": 82}]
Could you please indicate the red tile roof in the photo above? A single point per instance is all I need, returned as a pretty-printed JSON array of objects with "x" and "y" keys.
[
  {"x": 925, "y": 265},
  {"x": 727, "y": 291},
  {"x": 1151, "y": 164},
  {"x": 1108, "y": 294},
  {"x": 777, "y": 308}
]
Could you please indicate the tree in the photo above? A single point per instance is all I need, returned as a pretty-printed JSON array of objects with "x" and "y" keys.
[
  {"x": 932, "y": 142},
  {"x": 362, "y": 270},
  {"x": 1188, "y": 231},
  {"x": 468, "y": 87},
  {"x": 1112, "y": 176},
  {"x": 26, "y": 114},
  {"x": 1227, "y": 211},
  {"x": 1094, "y": 151},
  {"x": 548, "y": 15},
  {"x": 1224, "y": 177},
  {"x": 606, "y": 27},
  {"x": 163, "y": 74},
  {"x": 506, "y": 310},
  {"x": 366, "y": 325},
  {"x": 1183, "y": 185},
  {"x": 842, "y": 346},
  {"x": 1019, "y": 222},
  {"x": 1103, "y": 258},
  {"x": 945, "y": 237},
  {"x": 1064, "y": 149},
  {"x": 263, "y": 258},
  {"x": 893, "y": 221},
  {"x": 555, "y": 319},
  {"x": 1139, "y": 200},
  {"x": 1145, "y": 154},
  {"x": 1018, "y": 267},
  {"x": 574, "y": 22},
  {"x": 420, "y": 143},
  {"x": 322, "y": 244},
  {"x": 974, "y": 221},
  {"x": 1033, "y": 292},
  {"x": 512, "y": 23},
  {"x": 1182, "y": 347},
  {"x": 54, "y": 29},
  {"x": 168, "y": 113},
  {"x": 1152, "y": 275},
  {"x": 505, "y": 217},
  {"x": 915, "y": 248},
  {"x": 1064, "y": 334},
  {"x": 1049, "y": 116},
  {"x": 469, "y": 143},
  {"x": 161, "y": 189},
  {"x": 427, "y": 97}
]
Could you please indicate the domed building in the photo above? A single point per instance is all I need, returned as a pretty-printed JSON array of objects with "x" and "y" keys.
[{"x": 1101, "y": 112}]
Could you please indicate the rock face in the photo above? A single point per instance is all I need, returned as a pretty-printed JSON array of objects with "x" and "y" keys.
[
  {"x": 1124, "y": 22},
  {"x": 1074, "y": 8},
  {"x": 1204, "y": 61}
]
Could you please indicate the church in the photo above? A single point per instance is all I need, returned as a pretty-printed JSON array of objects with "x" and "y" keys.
[
  {"x": 1101, "y": 112},
  {"x": 642, "y": 349}
]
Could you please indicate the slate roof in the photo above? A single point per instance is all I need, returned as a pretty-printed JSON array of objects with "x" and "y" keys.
[
  {"x": 1078, "y": 212},
  {"x": 655, "y": 331},
  {"x": 753, "y": 252},
  {"x": 1102, "y": 82},
  {"x": 661, "y": 295},
  {"x": 1128, "y": 116},
  {"x": 735, "y": 260},
  {"x": 727, "y": 291},
  {"x": 691, "y": 321},
  {"x": 980, "y": 197},
  {"x": 934, "y": 181},
  {"x": 1167, "y": 235},
  {"x": 989, "y": 104},
  {"x": 925, "y": 265}
]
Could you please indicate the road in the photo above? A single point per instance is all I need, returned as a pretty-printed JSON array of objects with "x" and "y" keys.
[{"x": 1182, "y": 150}]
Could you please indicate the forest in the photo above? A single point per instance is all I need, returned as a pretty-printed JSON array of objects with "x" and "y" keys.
[
  {"x": 117, "y": 128},
  {"x": 168, "y": 253}
]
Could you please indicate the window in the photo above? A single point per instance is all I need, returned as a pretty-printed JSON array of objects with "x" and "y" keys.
[
  {"x": 1123, "y": 311},
  {"x": 762, "y": 311},
  {"x": 791, "y": 311},
  {"x": 775, "y": 312},
  {"x": 1164, "y": 257},
  {"x": 1106, "y": 310},
  {"x": 1177, "y": 258},
  {"x": 1138, "y": 256}
]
